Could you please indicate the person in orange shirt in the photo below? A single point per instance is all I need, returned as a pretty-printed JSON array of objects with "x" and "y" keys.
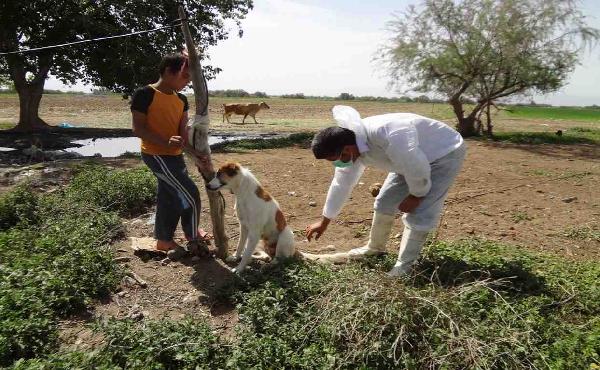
[{"x": 159, "y": 114}]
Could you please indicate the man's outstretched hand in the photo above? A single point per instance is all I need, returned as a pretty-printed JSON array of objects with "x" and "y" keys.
[{"x": 317, "y": 229}]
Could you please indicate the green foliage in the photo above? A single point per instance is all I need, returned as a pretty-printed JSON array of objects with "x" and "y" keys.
[
  {"x": 54, "y": 257},
  {"x": 302, "y": 138},
  {"x": 484, "y": 50},
  {"x": 471, "y": 304},
  {"x": 518, "y": 216},
  {"x": 294, "y": 96},
  {"x": 155, "y": 345},
  {"x": 556, "y": 113},
  {"x": 572, "y": 136},
  {"x": 120, "y": 64},
  {"x": 18, "y": 206},
  {"x": 128, "y": 192},
  {"x": 585, "y": 232}
]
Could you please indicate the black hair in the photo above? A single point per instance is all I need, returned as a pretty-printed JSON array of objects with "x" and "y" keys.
[
  {"x": 331, "y": 141},
  {"x": 172, "y": 62}
]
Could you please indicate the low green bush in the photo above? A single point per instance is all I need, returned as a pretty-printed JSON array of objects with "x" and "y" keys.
[
  {"x": 127, "y": 192},
  {"x": 54, "y": 256}
]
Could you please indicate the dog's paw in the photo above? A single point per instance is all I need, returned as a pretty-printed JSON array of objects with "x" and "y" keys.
[
  {"x": 261, "y": 256},
  {"x": 232, "y": 259}
]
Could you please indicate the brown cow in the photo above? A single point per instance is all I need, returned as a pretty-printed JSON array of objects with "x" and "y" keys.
[{"x": 243, "y": 110}]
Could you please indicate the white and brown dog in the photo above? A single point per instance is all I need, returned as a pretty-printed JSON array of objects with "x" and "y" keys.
[{"x": 258, "y": 213}]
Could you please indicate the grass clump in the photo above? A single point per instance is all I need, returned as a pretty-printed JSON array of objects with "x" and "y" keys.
[
  {"x": 577, "y": 135},
  {"x": 18, "y": 206},
  {"x": 585, "y": 232},
  {"x": 154, "y": 345},
  {"x": 302, "y": 138},
  {"x": 127, "y": 192},
  {"x": 518, "y": 216},
  {"x": 54, "y": 257}
]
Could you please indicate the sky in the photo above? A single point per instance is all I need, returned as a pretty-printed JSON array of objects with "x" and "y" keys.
[{"x": 327, "y": 47}]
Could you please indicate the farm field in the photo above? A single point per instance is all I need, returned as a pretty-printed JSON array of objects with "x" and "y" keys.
[{"x": 111, "y": 111}]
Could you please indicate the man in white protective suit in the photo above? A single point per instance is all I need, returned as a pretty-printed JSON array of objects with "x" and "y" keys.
[{"x": 423, "y": 157}]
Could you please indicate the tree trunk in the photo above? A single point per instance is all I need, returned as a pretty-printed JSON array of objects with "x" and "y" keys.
[
  {"x": 30, "y": 96},
  {"x": 30, "y": 92},
  {"x": 215, "y": 199},
  {"x": 488, "y": 114},
  {"x": 466, "y": 125}
]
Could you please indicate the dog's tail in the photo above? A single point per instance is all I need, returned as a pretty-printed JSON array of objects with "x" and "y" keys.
[{"x": 328, "y": 258}]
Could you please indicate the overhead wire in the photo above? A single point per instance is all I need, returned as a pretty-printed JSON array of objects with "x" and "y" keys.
[{"x": 176, "y": 23}]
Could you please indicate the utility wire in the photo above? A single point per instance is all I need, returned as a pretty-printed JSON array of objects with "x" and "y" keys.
[{"x": 90, "y": 40}]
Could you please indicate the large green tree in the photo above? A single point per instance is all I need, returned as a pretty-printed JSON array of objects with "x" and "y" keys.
[
  {"x": 485, "y": 50},
  {"x": 119, "y": 64}
]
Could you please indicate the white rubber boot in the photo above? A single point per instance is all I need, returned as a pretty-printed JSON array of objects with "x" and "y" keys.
[
  {"x": 410, "y": 247},
  {"x": 380, "y": 232}
]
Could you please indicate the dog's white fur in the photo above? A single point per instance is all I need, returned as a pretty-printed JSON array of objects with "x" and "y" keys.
[{"x": 258, "y": 213}]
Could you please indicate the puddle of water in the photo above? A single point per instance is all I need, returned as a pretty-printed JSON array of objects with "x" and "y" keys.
[
  {"x": 117, "y": 146},
  {"x": 107, "y": 147}
]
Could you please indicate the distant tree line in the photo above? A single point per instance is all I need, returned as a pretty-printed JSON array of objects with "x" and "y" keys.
[{"x": 237, "y": 93}]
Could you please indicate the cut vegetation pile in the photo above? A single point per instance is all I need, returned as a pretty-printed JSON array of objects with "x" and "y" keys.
[{"x": 473, "y": 304}]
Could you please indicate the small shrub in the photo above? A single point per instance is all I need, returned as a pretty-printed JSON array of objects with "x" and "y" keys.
[
  {"x": 571, "y": 136},
  {"x": 54, "y": 257},
  {"x": 587, "y": 232},
  {"x": 518, "y": 216},
  {"x": 302, "y": 138},
  {"x": 154, "y": 345},
  {"x": 18, "y": 206},
  {"x": 128, "y": 192}
]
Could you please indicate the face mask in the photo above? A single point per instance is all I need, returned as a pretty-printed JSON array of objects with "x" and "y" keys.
[{"x": 341, "y": 164}]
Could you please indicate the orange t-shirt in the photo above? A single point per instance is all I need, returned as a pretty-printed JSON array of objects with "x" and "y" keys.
[{"x": 164, "y": 113}]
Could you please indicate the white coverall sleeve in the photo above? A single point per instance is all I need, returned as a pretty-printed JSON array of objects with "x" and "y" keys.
[
  {"x": 344, "y": 180},
  {"x": 412, "y": 163}
]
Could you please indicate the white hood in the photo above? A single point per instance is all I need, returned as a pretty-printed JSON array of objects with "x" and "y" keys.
[{"x": 347, "y": 117}]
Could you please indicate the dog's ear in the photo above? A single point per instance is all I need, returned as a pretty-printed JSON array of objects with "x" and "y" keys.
[{"x": 230, "y": 169}]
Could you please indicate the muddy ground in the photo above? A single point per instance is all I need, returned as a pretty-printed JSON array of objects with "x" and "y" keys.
[{"x": 541, "y": 197}]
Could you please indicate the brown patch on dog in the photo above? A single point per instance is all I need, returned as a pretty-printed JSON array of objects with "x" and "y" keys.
[
  {"x": 271, "y": 249},
  {"x": 230, "y": 169},
  {"x": 263, "y": 194},
  {"x": 280, "y": 219}
]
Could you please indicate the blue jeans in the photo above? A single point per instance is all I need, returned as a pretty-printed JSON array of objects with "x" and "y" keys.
[
  {"x": 177, "y": 197},
  {"x": 426, "y": 216}
]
